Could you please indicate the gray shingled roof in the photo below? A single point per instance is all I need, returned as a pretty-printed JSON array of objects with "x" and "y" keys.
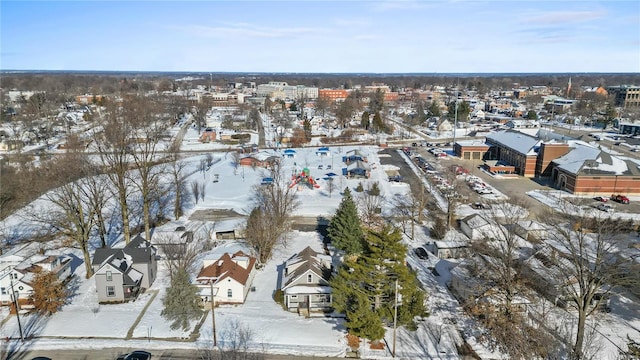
[
  {"x": 309, "y": 260},
  {"x": 514, "y": 140}
]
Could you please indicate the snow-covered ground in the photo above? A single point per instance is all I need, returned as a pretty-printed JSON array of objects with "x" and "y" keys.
[{"x": 275, "y": 330}]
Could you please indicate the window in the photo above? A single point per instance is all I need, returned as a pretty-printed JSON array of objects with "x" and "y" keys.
[
  {"x": 294, "y": 296},
  {"x": 229, "y": 293},
  {"x": 309, "y": 278},
  {"x": 111, "y": 291},
  {"x": 3, "y": 291},
  {"x": 109, "y": 276}
]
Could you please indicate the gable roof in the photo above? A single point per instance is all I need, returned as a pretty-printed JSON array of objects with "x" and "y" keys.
[
  {"x": 227, "y": 267},
  {"x": 303, "y": 262},
  {"x": 139, "y": 249},
  {"x": 475, "y": 221}
]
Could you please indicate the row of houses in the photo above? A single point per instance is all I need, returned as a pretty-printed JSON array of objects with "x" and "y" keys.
[{"x": 122, "y": 273}]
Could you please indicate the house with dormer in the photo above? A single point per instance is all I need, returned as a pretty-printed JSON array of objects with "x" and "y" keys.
[
  {"x": 121, "y": 273},
  {"x": 229, "y": 276},
  {"x": 17, "y": 273},
  {"x": 305, "y": 282}
]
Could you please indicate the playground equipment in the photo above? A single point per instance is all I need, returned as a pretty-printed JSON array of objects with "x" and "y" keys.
[{"x": 304, "y": 178}]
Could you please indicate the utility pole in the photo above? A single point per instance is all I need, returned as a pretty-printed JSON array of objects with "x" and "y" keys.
[
  {"x": 455, "y": 119},
  {"x": 213, "y": 314},
  {"x": 15, "y": 303},
  {"x": 395, "y": 318}
]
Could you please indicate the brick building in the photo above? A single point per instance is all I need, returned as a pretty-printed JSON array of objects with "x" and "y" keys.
[{"x": 515, "y": 148}]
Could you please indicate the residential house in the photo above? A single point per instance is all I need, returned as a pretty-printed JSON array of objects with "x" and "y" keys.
[
  {"x": 451, "y": 249},
  {"x": 18, "y": 273},
  {"x": 230, "y": 276},
  {"x": 530, "y": 230},
  {"x": 476, "y": 227},
  {"x": 120, "y": 274},
  {"x": 172, "y": 241},
  {"x": 305, "y": 282},
  {"x": 260, "y": 159}
]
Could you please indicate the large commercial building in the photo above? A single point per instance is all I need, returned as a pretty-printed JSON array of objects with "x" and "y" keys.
[
  {"x": 625, "y": 95},
  {"x": 572, "y": 165},
  {"x": 279, "y": 90}
]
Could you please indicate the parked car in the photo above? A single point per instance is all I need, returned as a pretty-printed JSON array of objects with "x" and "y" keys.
[
  {"x": 604, "y": 207},
  {"x": 136, "y": 355},
  {"x": 320, "y": 166},
  {"x": 620, "y": 198},
  {"x": 480, "y": 206},
  {"x": 421, "y": 253},
  {"x": 601, "y": 199}
]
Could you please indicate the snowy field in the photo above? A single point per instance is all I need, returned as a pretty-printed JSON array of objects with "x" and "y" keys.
[{"x": 275, "y": 330}]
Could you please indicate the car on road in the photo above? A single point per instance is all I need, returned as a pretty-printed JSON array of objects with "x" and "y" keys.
[
  {"x": 135, "y": 355},
  {"x": 604, "y": 207},
  {"x": 41, "y": 358},
  {"x": 620, "y": 198},
  {"x": 421, "y": 253},
  {"x": 600, "y": 198}
]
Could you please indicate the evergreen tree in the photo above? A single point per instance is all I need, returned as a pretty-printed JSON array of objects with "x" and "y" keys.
[
  {"x": 49, "y": 293},
  {"x": 364, "y": 287},
  {"x": 181, "y": 301},
  {"x": 344, "y": 230},
  {"x": 532, "y": 115},
  {"x": 378, "y": 124},
  {"x": 306, "y": 126},
  {"x": 434, "y": 109},
  {"x": 365, "y": 122},
  {"x": 463, "y": 110}
]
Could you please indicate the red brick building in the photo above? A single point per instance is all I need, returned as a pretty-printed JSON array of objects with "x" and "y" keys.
[
  {"x": 515, "y": 148},
  {"x": 333, "y": 94}
]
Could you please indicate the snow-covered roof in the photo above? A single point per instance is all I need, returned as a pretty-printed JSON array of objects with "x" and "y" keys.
[
  {"x": 514, "y": 140},
  {"x": 589, "y": 160},
  {"x": 301, "y": 289}
]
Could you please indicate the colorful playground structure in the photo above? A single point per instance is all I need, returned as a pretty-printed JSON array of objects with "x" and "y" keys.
[{"x": 303, "y": 179}]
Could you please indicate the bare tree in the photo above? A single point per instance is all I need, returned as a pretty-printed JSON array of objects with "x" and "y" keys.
[
  {"x": 195, "y": 190},
  {"x": 178, "y": 181},
  {"x": 72, "y": 215},
  {"x": 593, "y": 265},
  {"x": 269, "y": 220},
  {"x": 202, "y": 190},
  {"x": 97, "y": 191},
  {"x": 209, "y": 159},
  {"x": 179, "y": 253},
  {"x": 501, "y": 244},
  {"x": 234, "y": 344},
  {"x": 148, "y": 127},
  {"x": 113, "y": 148},
  {"x": 410, "y": 209},
  {"x": 370, "y": 204}
]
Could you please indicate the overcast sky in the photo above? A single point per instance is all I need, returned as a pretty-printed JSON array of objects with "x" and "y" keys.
[{"x": 322, "y": 36}]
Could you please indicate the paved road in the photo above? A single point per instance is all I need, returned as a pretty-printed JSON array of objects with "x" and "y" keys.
[{"x": 112, "y": 353}]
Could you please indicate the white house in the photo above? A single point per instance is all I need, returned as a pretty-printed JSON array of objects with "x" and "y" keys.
[
  {"x": 230, "y": 275},
  {"x": 305, "y": 282},
  {"x": 475, "y": 227}
]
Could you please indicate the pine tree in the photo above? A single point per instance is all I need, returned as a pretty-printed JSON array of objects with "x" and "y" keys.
[
  {"x": 181, "y": 301},
  {"x": 49, "y": 293},
  {"x": 344, "y": 230},
  {"x": 365, "y": 122},
  {"x": 364, "y": 287}
]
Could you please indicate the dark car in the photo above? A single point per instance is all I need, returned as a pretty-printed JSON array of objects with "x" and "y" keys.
[
  {"x": 421, "y": 253},
  {"x": 136, "y": 355},
  {"x": 41, "y": 358}
]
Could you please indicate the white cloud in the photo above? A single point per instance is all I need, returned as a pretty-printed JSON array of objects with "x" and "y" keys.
[{"x": 563, "y": 17}]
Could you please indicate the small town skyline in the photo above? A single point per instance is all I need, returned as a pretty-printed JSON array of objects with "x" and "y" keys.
[{"x": 322, "y": 37}]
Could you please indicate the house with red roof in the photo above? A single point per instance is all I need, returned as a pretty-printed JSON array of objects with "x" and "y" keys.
[{"x": 230, "y": 276}]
